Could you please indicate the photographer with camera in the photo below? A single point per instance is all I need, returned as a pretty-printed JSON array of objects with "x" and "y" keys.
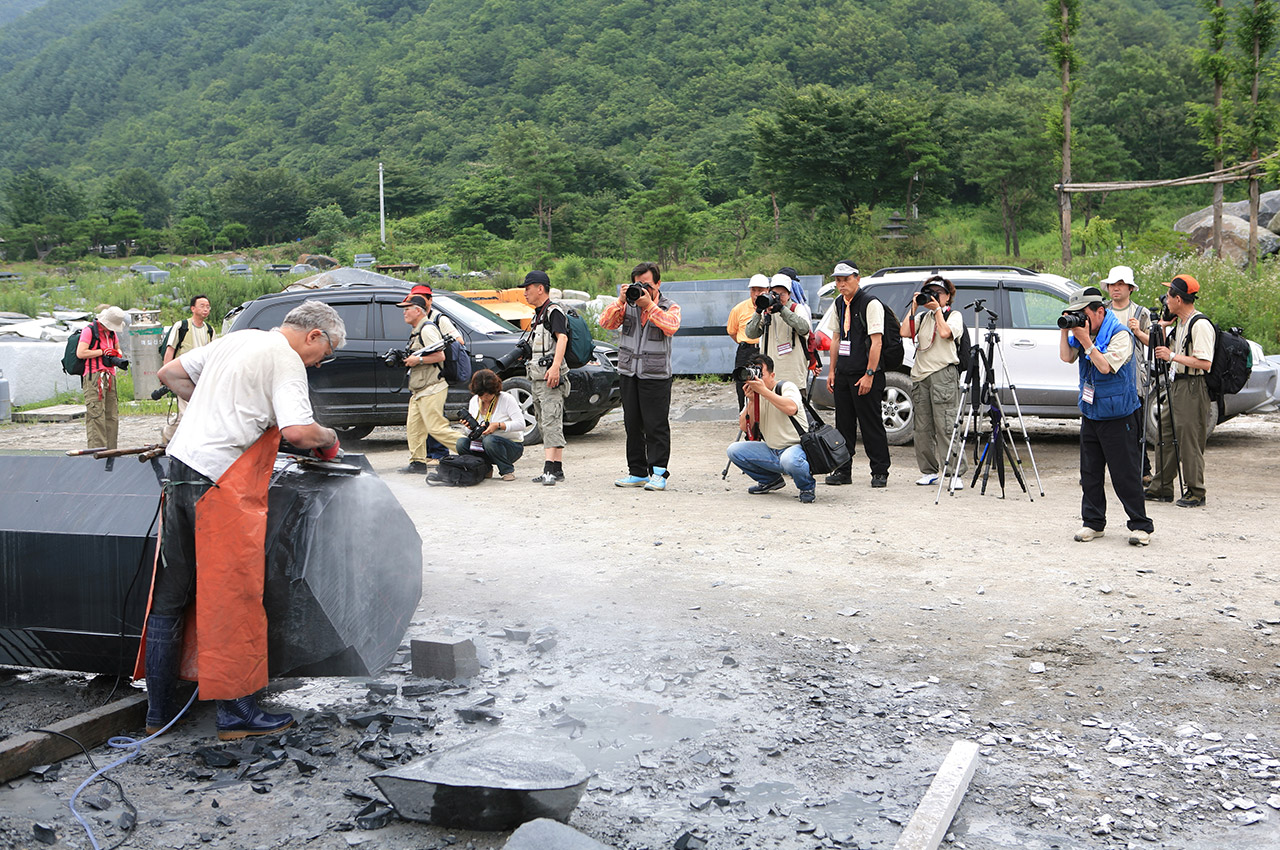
[
  {"x": 648, "y": 320},
  {"x": 1121, "y": 287},
  {"x": 782, "y": 327},
  {"x": 428, "y": 388},
  {"x": 548, "y": 340},
  {"x": 495, "y": 424},
  {"x": 1190, "y": 356},
  {"x": 99, "y": 348},
  {"x": 1102, "y": 347},
  {"x": 739, "y": 318},
  {"x": 935, "y": 375},
  {"x": 772, "y": 449}
]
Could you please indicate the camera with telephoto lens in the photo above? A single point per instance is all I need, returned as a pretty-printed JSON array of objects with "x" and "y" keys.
[
  {"x": 768, "y": 302},
  {"x": 395, "y": 357},
  {"x": 156, "y": 395},
  {"x": 113, "y": 360},
  {"x": 522, "y": 350},
  {"x": 750, "y": 372},
  {"x": 475, "y": 431},
  {"x": 1072, "y": 319},
  {"x": 635, "y": 292},
  {"x": 1165, "y": 314}
]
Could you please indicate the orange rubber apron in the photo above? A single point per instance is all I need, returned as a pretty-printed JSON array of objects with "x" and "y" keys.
[{"x": 225, "y": 636}]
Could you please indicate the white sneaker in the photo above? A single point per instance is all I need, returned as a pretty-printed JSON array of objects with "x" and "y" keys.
[
  {"x": 957, "y": 483},
  {"x": 1086, "y": 534},
  {"x": 927, "y": 479},
  {"x": 1139, "y": 537}
]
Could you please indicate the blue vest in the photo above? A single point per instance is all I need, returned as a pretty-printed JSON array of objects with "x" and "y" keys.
[{"x": 1115, "y": 395}]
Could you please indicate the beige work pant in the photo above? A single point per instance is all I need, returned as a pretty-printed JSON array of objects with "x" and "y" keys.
[
  {"x": 1189, "y": 406},
  {"x": 934, "y": 399},
  {"x": 102, "y": 414},
  {"x": 426, "y": 418}
]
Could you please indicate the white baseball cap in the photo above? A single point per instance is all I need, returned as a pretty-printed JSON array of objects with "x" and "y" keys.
[
  {"x": 758, "y": 281},
  {"x": 844, "y": 270}
]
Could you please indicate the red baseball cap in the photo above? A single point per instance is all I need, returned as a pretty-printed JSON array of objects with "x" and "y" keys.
[
  {"x": 421, "y": 289},
  {"x": 1184, "y": 284}
]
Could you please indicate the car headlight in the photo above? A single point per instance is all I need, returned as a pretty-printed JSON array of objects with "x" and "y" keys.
[{"x": 1256, "y": 352}]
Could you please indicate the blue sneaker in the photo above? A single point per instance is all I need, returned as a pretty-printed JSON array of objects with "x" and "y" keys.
[
  {"x": 631, "y": 481},
  {"x": 656, "y": 482}
]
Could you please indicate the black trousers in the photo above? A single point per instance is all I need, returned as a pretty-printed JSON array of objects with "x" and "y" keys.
[
  {"x": 176, "y": 573},
  {"x": 740, "y": 358},
  {"x": 1110, "y": 444},
  {"x": 863, "y": 413},
  {"x": 646, "y": 408}
]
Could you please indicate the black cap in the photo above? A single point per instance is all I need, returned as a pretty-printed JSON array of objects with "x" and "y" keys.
[
  {"x": 789, "y": 272},
  {"x": 536, "y": 276}
]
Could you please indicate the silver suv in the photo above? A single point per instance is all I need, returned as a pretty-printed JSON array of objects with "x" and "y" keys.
[{"x": 1026, "y": 306}]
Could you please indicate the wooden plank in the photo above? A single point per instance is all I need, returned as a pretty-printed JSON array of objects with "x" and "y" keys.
[
  {"x": 928, "y": 826},
  {"x": 53, "y": 413},
  {"x": 91, "y": 728}
]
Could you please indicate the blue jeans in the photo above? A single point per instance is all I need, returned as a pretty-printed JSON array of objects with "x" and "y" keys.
[
  {"x": 765, "y": 464},
  {"x": 499, "y": 450}
]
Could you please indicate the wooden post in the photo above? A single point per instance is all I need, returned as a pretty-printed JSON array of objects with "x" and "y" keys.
[
  {"x": 91, "y": 728},
  {"x": 928, "y": 826}
]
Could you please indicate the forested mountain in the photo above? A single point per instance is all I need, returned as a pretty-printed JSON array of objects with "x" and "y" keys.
[{"x": 200, "y": 93}]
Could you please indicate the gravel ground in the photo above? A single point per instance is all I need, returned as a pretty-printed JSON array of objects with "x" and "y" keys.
[{"x": 764, "y": 673}]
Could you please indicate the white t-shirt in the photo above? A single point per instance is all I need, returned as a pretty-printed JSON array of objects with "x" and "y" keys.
[{"x": 246, "y": 382}]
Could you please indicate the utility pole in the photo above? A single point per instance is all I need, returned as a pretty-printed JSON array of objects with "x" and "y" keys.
[{"x": 382, "y": 208}]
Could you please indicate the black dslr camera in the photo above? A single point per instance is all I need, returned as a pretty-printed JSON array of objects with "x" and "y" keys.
[
  {"x": 112, "y": 360},
  {"x": 1165, "y": 315},
  {"x": 156, "y": 395},
  {"x": 635, "y": 292},
  {"x": 1072, "y": 319},
  {"x": 395, "y": 357},
  {"x": 475, "y": 431},
  {"x": 750, "y": 372},
  {"x": 768, "y": 302}
]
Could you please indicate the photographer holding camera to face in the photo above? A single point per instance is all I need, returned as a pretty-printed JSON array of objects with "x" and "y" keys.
[
  {"x": 495, "y": 425},
  {"x": 773, "y": 449},
  {"x": 99, "y": 348},
  {"x": 935, "y": 375},
  {"x": 782, "y": 327},
  {"x": 1103, "y": 349},
  {"x": 648, "y": 320}
]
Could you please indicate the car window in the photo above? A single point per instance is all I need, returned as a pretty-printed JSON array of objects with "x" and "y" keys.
[
  {"x": 476, "y": 318},
  {"x": 354, "y": 316},
  {"x": 394, "y": 326},
  {"x": 1035, "y": 309}
]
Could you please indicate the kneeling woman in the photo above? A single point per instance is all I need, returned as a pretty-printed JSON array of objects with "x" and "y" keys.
[{"x": 502, "y": 421}]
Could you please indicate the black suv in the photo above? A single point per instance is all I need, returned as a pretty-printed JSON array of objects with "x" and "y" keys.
[{"x": 358, "y": 391}]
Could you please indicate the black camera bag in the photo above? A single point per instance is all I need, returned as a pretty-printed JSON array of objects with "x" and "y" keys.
[
  {"x": 459, "y": 471},
  {"x": 824, "y": 446}
]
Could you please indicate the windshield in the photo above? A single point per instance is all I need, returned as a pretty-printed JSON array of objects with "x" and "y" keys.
[{"x": 480, "y": 319}]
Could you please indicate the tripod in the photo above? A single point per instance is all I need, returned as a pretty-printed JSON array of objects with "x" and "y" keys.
[
  {"x": 1161, "y": 384},
  {"x": 983, "y": 393}
]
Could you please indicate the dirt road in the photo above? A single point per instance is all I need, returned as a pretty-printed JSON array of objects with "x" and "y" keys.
[{"x": 771, "y": 674}]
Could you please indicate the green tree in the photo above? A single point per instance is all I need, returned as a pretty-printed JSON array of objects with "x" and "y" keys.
[
  {"x": 1064, "y": 20},
  {"x": 136, "y": 188},
  {"x": 126, "y": 226},
  {"x": 538, "y": 167},
  {"x": 192, "y": 233},
  {"x": 1214, "y": 67},
  {"x": 327, "y": 224},
  {"x": 233, "y": 235},
  {"x": 271, "y": 202},
  {"x": 34, "y": 195},
  {"x": 1255, "y": 36}
]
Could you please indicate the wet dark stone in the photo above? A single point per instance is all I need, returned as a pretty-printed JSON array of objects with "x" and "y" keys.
[
  {"x": 44, "y": 833},
  {"x": 473, "y": 715},
  {"x": 689, "y": 841},
  {"x": 363, "y": 720},
  {"x": 374, "y": 816},
  {"x": 414, "y": 691},
  {"x": 496, "y": 782},
  {"x": 544, "y": 833},
  {"x": 383, "y": 689},
  {"x": 445, "y": 657},
  {"x": 215, "y": 757},
  {"x": 126, "y": 820},
  {"x": 520, "y": 635}
]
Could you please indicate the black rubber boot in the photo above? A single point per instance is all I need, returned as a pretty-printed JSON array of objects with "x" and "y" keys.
[
  {"x": 241, "y": 718},
  {"x": 164, "y": 653}
]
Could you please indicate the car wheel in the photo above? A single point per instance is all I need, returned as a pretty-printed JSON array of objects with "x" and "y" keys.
[
  {"x": 1153, "y": 421},
  {"x": 577, "y": 429},
  {"x": 898, "y": 409},
  {"x": 522, "y": 390},
  {"x": 353, "y": 432}
]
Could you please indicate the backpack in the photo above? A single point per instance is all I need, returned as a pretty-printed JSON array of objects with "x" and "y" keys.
[
  {"x": 182, "y": 328},
  {"x": 459, "y": 471},
  {"x": 581, "y": 348},
  {"x": 456, "y": 368},
  {"x": 72, "y": 364},
  {"x": 891, "y": 352},
  {"x": 1232, "y": 360}
]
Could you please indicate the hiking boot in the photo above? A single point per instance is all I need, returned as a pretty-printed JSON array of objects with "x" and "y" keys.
[
  {"x": 807, "y": 497},
  {"x": 1190, "y": 502},
  {"x": 776, "y": 484},
  {"x": 837, "y": 478},
  {"x": 1155, "y": 497},
  {"x": 879, "y": 481},
  {"x": 1086, "y": 534},
  {"x": 415, "y": 467}
]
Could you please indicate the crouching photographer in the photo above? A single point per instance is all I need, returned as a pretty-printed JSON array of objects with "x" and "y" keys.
[
  {"x": 495, "y": 424},
  {"x": 1102, "y": 347},
  {"x": 772, "y": 448}
]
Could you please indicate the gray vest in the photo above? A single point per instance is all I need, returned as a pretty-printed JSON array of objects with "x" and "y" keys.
[{"x": 644, "y": 351}]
